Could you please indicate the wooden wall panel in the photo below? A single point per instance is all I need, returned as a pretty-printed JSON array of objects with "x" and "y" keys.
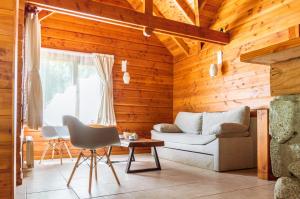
[
  {"x": 18, "y": 117},
  {"x": 147, "y": 99},
  {"x": 252, "y": 25},
  {"x": 8, "y": 16}
]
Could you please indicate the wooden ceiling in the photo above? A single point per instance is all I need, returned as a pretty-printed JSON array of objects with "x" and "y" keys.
[
  {"x": 183, "y": 11},
  {"x": 194, "y": 12}
]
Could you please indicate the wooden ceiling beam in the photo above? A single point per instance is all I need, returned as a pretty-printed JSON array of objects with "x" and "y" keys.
[
  {"x": 199, "y": 5},
  {"x": 148, "y": 7},
  {"x": 130, "y": 18},
  {"x": 178, "y": 41},
  {"x": 187, "y": 10},
  {"x": 43, "y": 14},
  {"x": 183, "y": 46}
]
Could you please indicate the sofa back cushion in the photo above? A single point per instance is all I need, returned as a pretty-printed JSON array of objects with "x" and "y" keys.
[
  {"x": 240, "y": 115},
  {"x": 189, "y": 122}
]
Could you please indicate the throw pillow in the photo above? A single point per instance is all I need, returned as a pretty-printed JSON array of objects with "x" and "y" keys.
[
  {"x": 167, "y": 128},
  {"x": 226, "y": 128}
]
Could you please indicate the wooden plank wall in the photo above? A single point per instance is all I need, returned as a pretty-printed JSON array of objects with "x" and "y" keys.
[
  {"x": 252, "y": 25},
  {"x": 19, "y": 92},
  {"x": 147, "y": 99},
  {"x": 8, "y": 15}
]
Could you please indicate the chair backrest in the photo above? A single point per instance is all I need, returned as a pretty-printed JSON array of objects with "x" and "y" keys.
[
  {"x": 88, "y": 137},
  {"x": 62, "y": 132},
  {"x": 49, "y": 132}
]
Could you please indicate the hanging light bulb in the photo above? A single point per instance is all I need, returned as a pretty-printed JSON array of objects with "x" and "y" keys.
[
  {"x": 213, "y": 70},
  {"x": 126, "y": 78}
]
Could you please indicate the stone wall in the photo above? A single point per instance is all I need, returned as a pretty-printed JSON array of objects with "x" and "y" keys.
[{"x": 285, "y": 145}]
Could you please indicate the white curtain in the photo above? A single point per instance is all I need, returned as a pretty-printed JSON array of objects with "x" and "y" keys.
[
  {"x": 33, "y": 100},
  {"x": 104, "y": 64}
]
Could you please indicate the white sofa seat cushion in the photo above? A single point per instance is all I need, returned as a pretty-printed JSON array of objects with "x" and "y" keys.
[
  {"x": 189, "y": 122},
  {"x": 183, "y": 138},
  {"x": 240, "y": 115}
]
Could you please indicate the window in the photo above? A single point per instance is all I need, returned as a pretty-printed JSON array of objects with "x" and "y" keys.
[{"x": 71, "y": 86}]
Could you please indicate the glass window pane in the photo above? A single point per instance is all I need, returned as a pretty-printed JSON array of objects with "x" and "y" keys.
[
  {"x": 58, "y": 90},
  {"x": 89, "y": 91}
]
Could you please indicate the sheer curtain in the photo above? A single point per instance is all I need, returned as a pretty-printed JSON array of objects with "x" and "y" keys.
[
  {"x": 71, "y": 86},
  {"x": 106, "y": 114},
  {"x": 33, "y": 101}
]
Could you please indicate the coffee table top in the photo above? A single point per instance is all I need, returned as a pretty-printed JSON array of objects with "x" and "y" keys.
[{"x": 142, "y": 142}]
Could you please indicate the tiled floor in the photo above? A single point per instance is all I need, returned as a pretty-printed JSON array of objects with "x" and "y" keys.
[{"x": 48, "y": 181}]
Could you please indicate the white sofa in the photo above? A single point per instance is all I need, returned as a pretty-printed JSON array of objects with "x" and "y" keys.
[{"x": 201, "y": 146}]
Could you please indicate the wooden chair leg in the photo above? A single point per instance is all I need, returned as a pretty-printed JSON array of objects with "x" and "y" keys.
[
  {"x": 44, "y": 153},
  {"x": 68, "y": 150},
  {"x": 53, "y": 149},
  {"x": 95, "y": 165},
  {"x": 109, "y": 152},
  {"x": 60, "y": 152},
  {"x": 111, "y": 166},
  {"x": 91, "y": 170},
  {"x": 75, "y": 167}
]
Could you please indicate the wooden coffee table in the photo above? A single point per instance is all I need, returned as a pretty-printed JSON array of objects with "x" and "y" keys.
[{"x": 131, "y": 145}]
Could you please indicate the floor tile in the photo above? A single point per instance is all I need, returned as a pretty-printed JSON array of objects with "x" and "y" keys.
[
  {"x": 260, "y": 192},
  {"x": 21, "y": 191},
  {"x": 57, "y": 194}
]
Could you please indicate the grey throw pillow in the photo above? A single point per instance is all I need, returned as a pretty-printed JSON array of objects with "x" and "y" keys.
[
  {"x": 227, "y": 128},
  {"x": 167, "y": 128}
]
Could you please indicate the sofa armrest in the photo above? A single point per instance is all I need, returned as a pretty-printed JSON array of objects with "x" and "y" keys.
[
  {"x": 233, "y": 135},
  {"x": 234, "y": 153}
]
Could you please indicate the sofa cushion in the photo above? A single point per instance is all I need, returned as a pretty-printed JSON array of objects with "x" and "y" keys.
[
  {"x": 184, "y": 138},
  {"x": 167, "y": 128},
  {"x": 227, "y": 128},
  {"x": 209, "y": 148},
  {"x": 189, "y": 122},
  {"x": 240, "y": 115}
]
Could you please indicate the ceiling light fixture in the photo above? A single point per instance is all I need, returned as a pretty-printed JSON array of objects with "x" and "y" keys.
[{"x": 147, "y": 31}]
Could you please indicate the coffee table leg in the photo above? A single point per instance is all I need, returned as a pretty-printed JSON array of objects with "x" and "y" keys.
[
  {"x": 156, "y": 159},
  {"x": 130, "y": 158}
]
